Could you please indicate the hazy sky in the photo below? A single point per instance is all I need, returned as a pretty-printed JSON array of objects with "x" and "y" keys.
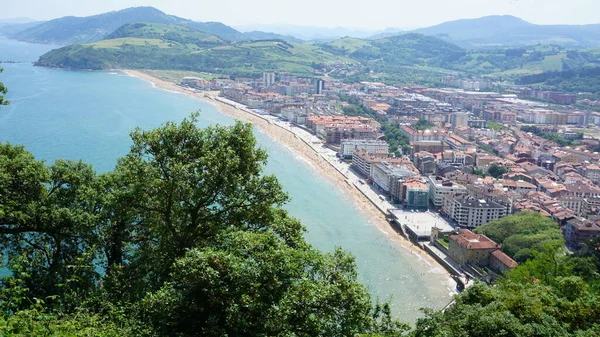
[{"x": 370, "y": 14}]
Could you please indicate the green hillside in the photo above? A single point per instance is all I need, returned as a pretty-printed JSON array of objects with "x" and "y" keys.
[
  {"x": 171, "y": 47},
  {"x": 170, "y": 32}
]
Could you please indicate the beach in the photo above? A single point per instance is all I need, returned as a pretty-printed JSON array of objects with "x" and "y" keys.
[{"x": 310, "y": 153}]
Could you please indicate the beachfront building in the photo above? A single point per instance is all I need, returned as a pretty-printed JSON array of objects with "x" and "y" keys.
[
  {"x": 389, "y": 178},
  {"x": 294, "y": 115},
  {"x": 372, "y": 146},
  {"x": 441, "y": 187},
  {"x": 362, "y": 161},
  {"x": 415, "y": 193},
  {"x": 471, "y": 212},
  {"x": 334, "y": 129}
]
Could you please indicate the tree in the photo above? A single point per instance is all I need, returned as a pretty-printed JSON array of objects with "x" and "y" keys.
[
  {"x": 423, "y": 124},
  {"x": 3, "y": 91},
  {"x": 497, "y": 171},
  {"x": 185, "y": 237}
]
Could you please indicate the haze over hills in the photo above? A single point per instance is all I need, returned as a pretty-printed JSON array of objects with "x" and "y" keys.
[
  {"x": 68, "y": 30},
  {"x": 510, "y": 30},
  {"x": 308, "y": 33}
]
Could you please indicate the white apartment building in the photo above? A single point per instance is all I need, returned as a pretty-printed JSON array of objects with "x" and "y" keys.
[
  {"x": 348, "y": 146},
  {"x": 268, "y": 79},
  {"x": 442, "y": 187},
  {"x": 470, "y": 212},
  {"x": 389, "y": 178}
]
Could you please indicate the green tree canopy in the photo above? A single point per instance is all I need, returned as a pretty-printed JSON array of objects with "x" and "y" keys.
[
  {"x": 497, "y": 171},
  {"x": 185, "y": 237},
  {"x": 523, "y": 233}
]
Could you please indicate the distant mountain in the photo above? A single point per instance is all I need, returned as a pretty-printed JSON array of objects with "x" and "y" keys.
[
  {"x": 258, "y": 35},
  {"x": 308, "y": 33},
  {"x": 8, "y": 29},
  {"x": 15, "y": 21},
  {"x": 510, "y": 30},
  {"x": 70, "y": 29}
]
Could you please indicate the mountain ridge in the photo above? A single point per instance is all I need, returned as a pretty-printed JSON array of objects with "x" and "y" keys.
[{"x": 72, "y": 29}]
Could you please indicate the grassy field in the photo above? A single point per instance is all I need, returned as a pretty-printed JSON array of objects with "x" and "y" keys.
[
  {"x": 118, "y": 43},
  {"x": 349, "y": 44}
]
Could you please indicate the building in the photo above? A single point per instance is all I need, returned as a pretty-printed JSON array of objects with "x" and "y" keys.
[
  {"x": 389, "y": 178},
  {"x": 425, "y": 162},
  {"x": 459, "y": 120},
  {"x": 268, "y": 79},
  {"x": 433, "y": 146},
  {"x": 348, "y": 146},
  {"x": 414, "y": 135},
  {"x": 415, "y": 193},
  {"x": 362, "y": 161},
  {"x": 471, "y": 212},
  {"x": 440, "y": 187},
  {"x": 467, "y": 248},
  {"x": 580, "y": 230},
  {"x": 319, "y": 87},
  {"x": 470, "y": 249}
]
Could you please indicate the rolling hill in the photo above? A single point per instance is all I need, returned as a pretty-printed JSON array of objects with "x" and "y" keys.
[
  {"x": 70, "y": 29},
  {"x": 387, "y": 54},
  {"x": 510, "y": 30},
  {"x": 172, "y": 47}
]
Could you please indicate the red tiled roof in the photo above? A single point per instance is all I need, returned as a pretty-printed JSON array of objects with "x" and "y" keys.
[
  {"x": 470, "y": 240},
  {"x": 505, "y": 259}
]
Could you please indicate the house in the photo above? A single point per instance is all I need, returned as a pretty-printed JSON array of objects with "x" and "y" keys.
[{"x": 468, "y": 248}]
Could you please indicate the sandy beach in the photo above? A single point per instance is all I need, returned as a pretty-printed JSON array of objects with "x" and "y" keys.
[{"x": 299, "y": 147}]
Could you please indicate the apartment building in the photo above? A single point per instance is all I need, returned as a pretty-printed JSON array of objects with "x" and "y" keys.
[
  {"x": 362, "y": 161},
  {"x": 390, "y": 178},
  {"x": 440, "y": 187},
  {"x": 348, "y": 146},
  {"x": 471, "y": 212}
]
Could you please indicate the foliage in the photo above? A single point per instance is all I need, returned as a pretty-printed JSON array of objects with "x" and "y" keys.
[
  {"x": 575, "y": 81},
  {"x": 147, "y": 47},
  {"x": 547, "y": 135},
  {"x": 180, "y": 34},
  {"x": 396, "y": 139},
  {"x": 495, "y": 126},
  {"x": 517, "y": 309},
  {"x": 550, "y": 294},
  {"x": 497, "y": 171},
  {"x": 423, "y": 124},
  {"x": 523, "y": 233},
  {"x": 185, "y": 237},
  {"x": 3, "y": 91}
]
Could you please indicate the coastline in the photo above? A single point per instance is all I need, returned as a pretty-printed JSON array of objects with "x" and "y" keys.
[{"x": 315, "y": 159}]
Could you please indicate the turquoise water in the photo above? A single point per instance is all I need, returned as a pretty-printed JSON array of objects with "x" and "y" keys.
[{"x": 88, "y": 115}]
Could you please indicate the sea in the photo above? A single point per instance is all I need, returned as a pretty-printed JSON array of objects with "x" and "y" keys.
[{"x": 88, "y": 115}]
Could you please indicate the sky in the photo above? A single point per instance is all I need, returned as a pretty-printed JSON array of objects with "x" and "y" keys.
[{"x": 371, "y": 14}]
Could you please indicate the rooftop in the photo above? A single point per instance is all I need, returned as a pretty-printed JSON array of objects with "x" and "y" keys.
[{"x": 470, "y": 240}]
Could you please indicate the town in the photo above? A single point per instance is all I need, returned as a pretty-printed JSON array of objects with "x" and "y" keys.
[{"x": 440, "y": 162}]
